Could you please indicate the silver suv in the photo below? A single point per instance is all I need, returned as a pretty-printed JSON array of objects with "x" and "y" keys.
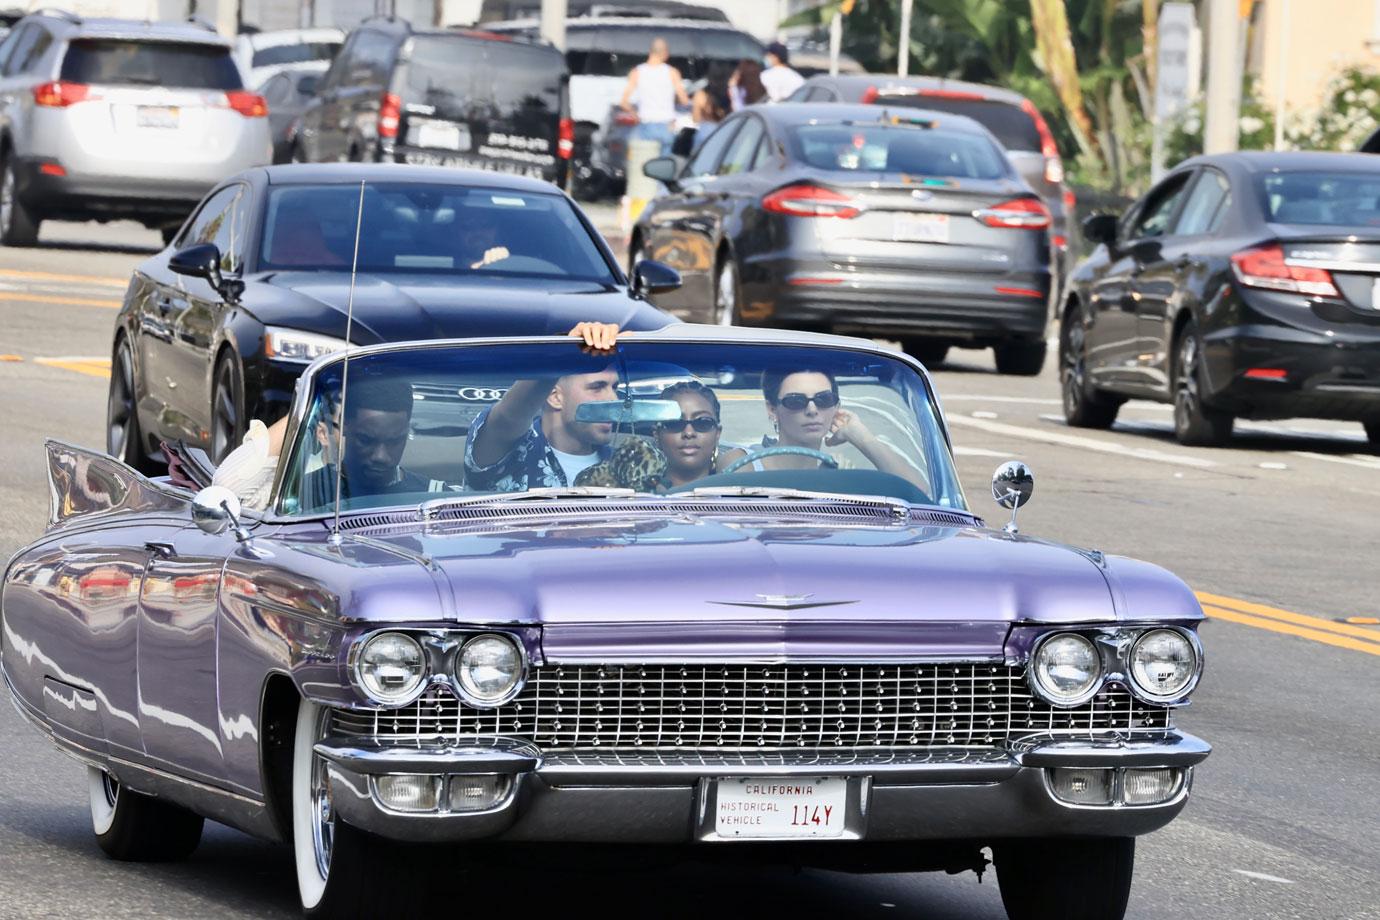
[{"x": 109, "y": 119}]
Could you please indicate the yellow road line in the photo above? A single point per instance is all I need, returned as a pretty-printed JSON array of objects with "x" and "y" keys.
[
  {"x": 1287, "y": 616},
  {"x": 55, "y": 276},
  {"x": 94, "y": 368},
  {"x": 112, "y": 303},
  {"x": 1317, "y": 635}
]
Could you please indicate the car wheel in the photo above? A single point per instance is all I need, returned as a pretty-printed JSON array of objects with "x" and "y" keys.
[
  {"x": 227, "y": 408},
  {"x": 17, "y": 226},
  {"x": 139, "y": 828},
  {"x": 726, "y": 291},
  {"x": 1084, "y": 405},
  {"x": 927, "y": 351},
  {"x": 1068, "y": 879},
  {"x": 123, "y": 439},
  {"x": 1373, "y": 433},
  {"x": 1194, "y": 422},
  {"x": 1021, "y": 359}
]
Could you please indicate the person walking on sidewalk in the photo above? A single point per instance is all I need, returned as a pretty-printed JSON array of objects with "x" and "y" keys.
[
  {"x": 779, "y": 79},
  {"x": 652, "y": 92}
]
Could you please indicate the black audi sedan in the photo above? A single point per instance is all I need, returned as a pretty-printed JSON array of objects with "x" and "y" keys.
[
  {"x": 885, "y": 221},
  {"x": 1243, "y": 285},
  {"x": 215, "y": 329}
]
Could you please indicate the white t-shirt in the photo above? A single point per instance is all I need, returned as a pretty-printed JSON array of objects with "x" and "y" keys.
[
  {"x": 655, "y": 96},
  {"x": 575, "y": 464},
  {"x": 780, "y": 81}
]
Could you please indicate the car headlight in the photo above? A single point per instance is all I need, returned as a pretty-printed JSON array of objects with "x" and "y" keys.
[
  {"x": 391, "y": 667},
  {"x": 1163, "y": 664},
  {"x": 295, "y": 345},
  {"x": 489, "y": 670},
  {"x": 1066, "y": 669}
]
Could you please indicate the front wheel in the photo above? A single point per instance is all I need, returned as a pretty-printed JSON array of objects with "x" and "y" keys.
[
  {"x": 227, "y": 408},
  {"x": 17, "y": 225},
  {"x": 1068, "y": 879},
  {"x": 123, "y": 439},
  {"x": 1084, "y": 405},
  {"x": 135, "y": 827},
  {"x": 1195, "y": 423}
]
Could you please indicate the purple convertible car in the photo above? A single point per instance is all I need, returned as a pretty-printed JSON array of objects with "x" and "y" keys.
[{"x": 717, "y": 592}]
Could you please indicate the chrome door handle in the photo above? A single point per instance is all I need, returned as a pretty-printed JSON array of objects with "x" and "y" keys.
[{"x": 161, "y": 550}]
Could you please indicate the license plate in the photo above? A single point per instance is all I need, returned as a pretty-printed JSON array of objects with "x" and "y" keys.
[
  {"x": 442, "y": 136},
  {"x": 780, "y": 807},
  {"x": 157, "y": 116},
  {"x": 920, "y": 228}
]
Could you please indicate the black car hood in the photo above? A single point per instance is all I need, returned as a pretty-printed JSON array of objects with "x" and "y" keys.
[{"x": 403, "y": 307}]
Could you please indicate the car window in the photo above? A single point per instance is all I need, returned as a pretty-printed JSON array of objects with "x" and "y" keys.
[
  {"x": 1206, "y": 206},
  {"x": 26, "y": 59},
  {"x": 743, "y": 150},
  {"x": 121, "y": 62},
  {"x": 221, "y": 220},
  {"x": 450, "y": 74},
  {"x": 276, "y": 90},
  {"x": 614, "y": 52},
  {"x": 294, "y": 53},
  {"x": 1153, "y": 217},
  {"x": 1015, "y": 129},
  {"x": 341, "y": 63},
  {"x": 371, "y": 56},
  {"x": 707, "y": 158},
  {"x": 16, "y": 50},
  {"x": 8, "y": 44},
  {"x": 1321, "y": 198},
  {"x": 918, "y": 151},
  {"x": 766, "y": 152}
]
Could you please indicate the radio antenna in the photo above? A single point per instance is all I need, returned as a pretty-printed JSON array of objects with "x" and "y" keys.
[{"x": 334, "y": 538}]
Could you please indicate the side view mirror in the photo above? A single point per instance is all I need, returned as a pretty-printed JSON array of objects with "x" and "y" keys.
[
  {"x": 1100, "y": 228},
  {"x": 216, "y": 508},
  {"x": 202, "y": 260},
  {"x": 1012, "y": 486},
  {"x": 663, "y": 170},
  {"x": 652, "y": 277}
]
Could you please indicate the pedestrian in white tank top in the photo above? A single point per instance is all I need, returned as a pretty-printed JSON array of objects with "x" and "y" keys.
[{"x": 654, "y": 88}]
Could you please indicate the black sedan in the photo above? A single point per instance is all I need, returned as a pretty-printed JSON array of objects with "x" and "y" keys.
[
  {"x": 893, "y": 222},
  {"x": 216, "y": 328},
  {"x": 1242, "y": 285}
]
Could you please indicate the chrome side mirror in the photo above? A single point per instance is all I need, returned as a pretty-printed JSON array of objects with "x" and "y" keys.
[
  {"x": 215, "y": 508},
  {"x": 1012, "y": 486}
]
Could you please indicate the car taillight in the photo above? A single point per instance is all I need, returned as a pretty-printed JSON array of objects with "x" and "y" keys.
[
  {"x": 1070, "y": 200},
  {"x": 1020, "y": 213},
  {"x": 1054, "y": 166},
  {"x": 250, "y": 105},
  {"x": 565, "y": 145},
  {"x": 1265, "y": 267},
  {"x": 870, "y": 95},
  {"x": 390, "y": 115},
  {"x": 60, "y": 94},
  {"x": 810, "y": 201}
]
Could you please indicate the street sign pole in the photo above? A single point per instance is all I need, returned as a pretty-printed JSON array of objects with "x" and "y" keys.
[
  {"x": 835, "y": 43},
  {"x": 1221, "y": 130},
  {"x": 1174, "y": 87},
  {"x": 903, "y": 40}
]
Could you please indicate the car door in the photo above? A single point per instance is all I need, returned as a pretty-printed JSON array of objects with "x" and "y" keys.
[
  {"x": 1176, "y": 271},
  {"x": 734, "y": 189}
]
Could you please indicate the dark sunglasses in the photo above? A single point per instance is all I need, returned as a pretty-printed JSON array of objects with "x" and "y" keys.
[
  {"x": 704, "y": 424},
  {"x": 824, "y": 399}
]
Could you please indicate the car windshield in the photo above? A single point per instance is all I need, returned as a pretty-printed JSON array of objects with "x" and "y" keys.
[
  {"x": 424, "y": 227},
  {"x": 1015, "y": 129},
  {"x": 183, "y": 65},
  {"x": 478, "y": 79},
  {"x": 1323, "y": 198},
  {"x": 898, "y": 149},
  {"x": 450, "y": 421}
]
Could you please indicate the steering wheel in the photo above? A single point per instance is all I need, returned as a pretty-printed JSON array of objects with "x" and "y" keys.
[{"x": 825, "y": 459}]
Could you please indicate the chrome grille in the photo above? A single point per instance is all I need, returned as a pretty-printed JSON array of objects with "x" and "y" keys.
[{"x": 725, "y": 707}]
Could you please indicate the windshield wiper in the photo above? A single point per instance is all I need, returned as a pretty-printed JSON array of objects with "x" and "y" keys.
[{"x": 428, "y": 509}]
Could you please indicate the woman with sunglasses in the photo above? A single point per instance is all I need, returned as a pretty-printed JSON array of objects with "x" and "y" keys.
[{"x": 690, "y": 443}]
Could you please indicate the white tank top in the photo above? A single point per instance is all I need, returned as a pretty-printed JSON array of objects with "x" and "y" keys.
[{"x": 656, "y": 94}]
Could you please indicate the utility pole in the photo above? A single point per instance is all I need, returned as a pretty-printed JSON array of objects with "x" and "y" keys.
[
  {"x": 1221, "y": 131},
  {"x": 553, "y": 22},
  {"x": 903, "y": 40},
  {"x": 228, "y": 18}
]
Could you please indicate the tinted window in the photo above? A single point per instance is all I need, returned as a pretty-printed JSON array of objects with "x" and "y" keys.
[
  {"x": 277, "y": 90},
  {"x": 412, "y": 227},
  {"x": 294, "y": 54},
  {"x": 116, "y": 62},
  {"x": 8, "y": 45},
  {"x": 1153, "y": 219},
  {"x": 1015, "y": 129},
  {"x": 221, "y": 220},
  {"x": 616, "y": 51},
  {"x": 1321, "y": 198},
  {"x": 744, "y": 147},
  {"x": 25, "y": 59},
  {"x": 468, "y": 78},
  {"x": 17, "y": 48},
  {"x": 371, "y": 56},
  {"x": 707, "y": 158},
  {"x": 884, "y": 148},
  {"x": 1206, "y": 206}
]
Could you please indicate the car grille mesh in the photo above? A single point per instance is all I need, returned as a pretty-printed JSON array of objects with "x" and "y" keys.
[{"x": 690, "y": 707}]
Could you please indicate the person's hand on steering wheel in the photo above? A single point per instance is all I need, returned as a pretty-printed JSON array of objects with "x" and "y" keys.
[{"x": 491, "y": 255}]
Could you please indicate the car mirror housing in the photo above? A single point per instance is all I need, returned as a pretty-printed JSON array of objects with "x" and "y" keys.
[
  {"x": 202, "y": 260},
  {"x": 1100, "y": 228},
  {"x": 663, "y": 170},
  {"x": 652, "y": 277}
]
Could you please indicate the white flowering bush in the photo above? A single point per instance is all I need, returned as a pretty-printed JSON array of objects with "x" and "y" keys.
[
  {"x": 1351, "y": 105},
  {"x": 1256, "y": 127}
]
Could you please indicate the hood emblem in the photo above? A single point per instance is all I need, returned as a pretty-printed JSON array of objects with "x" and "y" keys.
[
  {"x": 920, "y": 194},
  {"x": 783, "y": 602}
]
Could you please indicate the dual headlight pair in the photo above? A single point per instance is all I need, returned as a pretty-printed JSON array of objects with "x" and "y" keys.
[
  {"x": 1161, "y": 665},
  {"x": 486, "y": 670}
]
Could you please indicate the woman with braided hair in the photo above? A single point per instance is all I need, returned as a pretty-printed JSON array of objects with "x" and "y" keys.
[{"x": 691, "y": 443}]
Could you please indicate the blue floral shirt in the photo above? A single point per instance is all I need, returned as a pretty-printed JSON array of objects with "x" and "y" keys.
[{"x": 529, "y": 464}]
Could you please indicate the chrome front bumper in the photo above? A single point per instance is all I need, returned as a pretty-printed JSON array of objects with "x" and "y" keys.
[{"x": 636, "y": 797}]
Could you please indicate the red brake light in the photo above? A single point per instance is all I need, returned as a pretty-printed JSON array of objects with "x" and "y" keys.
[
  {"x": 250, "y": 105},
  {"x": 810, "y": 201},
  {"x": 60, "y": 94},
  {"x": 1019, "y": 213},
  {"x": 390, "y": 115},
  {"x": 565, "y": 145},
  {"x": 1265, "y": 267},
  {"x": 870, "y": 95},
  {"x": 953, "y": 94}
]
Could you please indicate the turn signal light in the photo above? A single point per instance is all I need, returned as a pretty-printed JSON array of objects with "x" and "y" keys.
[
  {"x": 1020, "y": 213},
  {"x": 250, "y": 105},
  {"x": 806, "y": 200},
  {"x": 390, "y": 115},
  {"x": 60, "y": 94},
  {"x": 1265, "y": 267},
  {"x": 1082, "y": 786},
  {"x": 565, "y": 145}
]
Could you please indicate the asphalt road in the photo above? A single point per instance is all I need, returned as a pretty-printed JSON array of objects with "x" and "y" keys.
[{"x": 1281, "y": 530}]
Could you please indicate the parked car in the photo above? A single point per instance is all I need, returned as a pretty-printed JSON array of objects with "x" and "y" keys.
[
  {"x": 601, "y": 51},
  {"x": 262, "y": 54},
  {"x": 112, "y": 119},
  {"x": 1015, "y": 121},
  {"x": 822, "y": 663},
  {"x": 288, "y": 93},
  {"x": 216, "y": 328},
  {"x": 902, "y": 223},
  {"x": 1242, "y": 285},
  {"x": 441, "y": 98}
]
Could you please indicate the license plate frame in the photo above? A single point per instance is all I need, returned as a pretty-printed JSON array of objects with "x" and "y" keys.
[
  {"x": 923, "y": 227},
  {"x": 160, "y": 117},
  {"x": 782, "y": 807},
  {"x": 442, "y": 135}
]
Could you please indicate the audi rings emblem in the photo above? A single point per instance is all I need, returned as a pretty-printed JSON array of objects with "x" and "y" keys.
[{"x": 481, "y": 394}]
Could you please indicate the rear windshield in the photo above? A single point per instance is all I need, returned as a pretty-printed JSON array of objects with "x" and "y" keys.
[
  {"x": 614, "y": 52},
  {"x": 119, "y": 62},
  {"x": 884, "y": 148},
  {"x": 1321, "y": 198},
  {"x": 1015, "y": 129},
  {"x": 483, "y": 77},
  {"x": 294, "y": 54}
]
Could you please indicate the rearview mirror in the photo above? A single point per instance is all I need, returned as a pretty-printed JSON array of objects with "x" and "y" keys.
[
  {"x": 615, "y": 411},
  {"x": 663, "y": 170},
  {"x": 652, "y": 277},
  {"x": 1100, "y": 228}
]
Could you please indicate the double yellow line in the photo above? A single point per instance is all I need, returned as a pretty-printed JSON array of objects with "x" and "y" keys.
[{"x": 1261, "y": 616}]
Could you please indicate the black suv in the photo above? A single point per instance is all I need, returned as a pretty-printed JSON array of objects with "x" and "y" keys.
[{"x": 441, "y": 98}]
